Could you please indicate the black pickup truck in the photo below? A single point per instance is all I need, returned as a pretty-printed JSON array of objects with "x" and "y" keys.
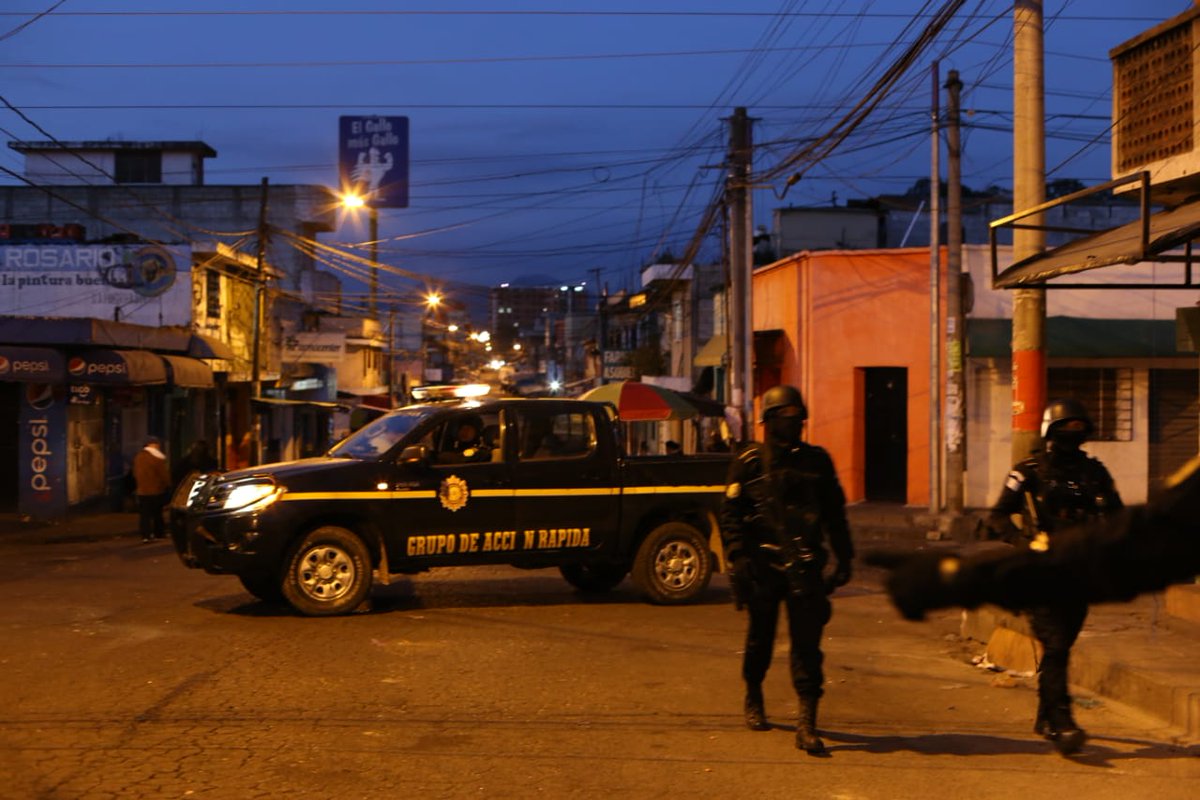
[{"x": 543, "y": 484}]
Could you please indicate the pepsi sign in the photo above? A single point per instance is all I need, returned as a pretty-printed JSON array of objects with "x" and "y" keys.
[{"x": 30, "y": 364}]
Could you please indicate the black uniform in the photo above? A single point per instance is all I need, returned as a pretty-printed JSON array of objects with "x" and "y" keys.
[
  {"x": 783, "y": 506},
  {"x": 1053, "y": 490}
]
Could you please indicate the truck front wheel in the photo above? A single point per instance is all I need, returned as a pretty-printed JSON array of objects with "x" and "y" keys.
[
  {"x": 673, "y": 565},
  {"x": 328, "y": 573},
  {"x": 594, "y": 578}
]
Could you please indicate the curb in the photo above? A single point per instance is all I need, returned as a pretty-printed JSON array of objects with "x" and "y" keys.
[{"x": 1124, "y": 653}]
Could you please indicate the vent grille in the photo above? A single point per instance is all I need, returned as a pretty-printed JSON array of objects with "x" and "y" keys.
[{"x": 1154, "y": 102}]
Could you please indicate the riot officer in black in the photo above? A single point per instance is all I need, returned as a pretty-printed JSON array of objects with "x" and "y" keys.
[
  {"x": 783, "y": 506},
  {"x": 1055, "y": 489}
]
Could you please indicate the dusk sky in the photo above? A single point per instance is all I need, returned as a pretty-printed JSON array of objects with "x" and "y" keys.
[{"x": 555, "y": 138}]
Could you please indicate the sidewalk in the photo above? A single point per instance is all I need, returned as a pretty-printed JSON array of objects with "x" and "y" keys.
[{"x": 1144, "y": 654}]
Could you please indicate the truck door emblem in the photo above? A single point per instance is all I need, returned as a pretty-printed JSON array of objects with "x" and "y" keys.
[{"x": 454, "y": 493}]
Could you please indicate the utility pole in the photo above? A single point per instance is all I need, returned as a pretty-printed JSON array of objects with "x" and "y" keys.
[
  {"x": 601, "y": 330},
  {"x": 935, "y": 327},
  {"x": 955, "y": 385},
  {"x": 373, "y": 233},
  {"x": 390, "y": 364},
  {"x": 255, "y": 358},
  {"x": 741, "y": 264},
  {"x": 1029, "y": 190}
]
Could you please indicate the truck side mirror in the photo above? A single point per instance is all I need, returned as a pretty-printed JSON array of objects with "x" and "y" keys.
[{"x": 415, "y": 455}]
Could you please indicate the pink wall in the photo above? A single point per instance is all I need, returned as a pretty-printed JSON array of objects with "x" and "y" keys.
[{"x": 841, "y": 312}]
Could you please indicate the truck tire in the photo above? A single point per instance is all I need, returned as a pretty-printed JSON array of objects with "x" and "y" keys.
[
  {"x": 673, "y": 565},
  {"x": 594, "y": 578},
  {"x": 328, "y": 573},
  {"x": 264, "y": 586}
]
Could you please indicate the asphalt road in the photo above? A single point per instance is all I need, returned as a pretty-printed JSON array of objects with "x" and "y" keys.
[{"x": 126, "y": 675}]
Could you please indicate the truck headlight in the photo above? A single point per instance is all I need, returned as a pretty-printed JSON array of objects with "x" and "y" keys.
[{"x": 246, "y": 496}]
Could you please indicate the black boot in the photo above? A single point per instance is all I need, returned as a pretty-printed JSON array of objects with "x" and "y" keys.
[
  {"x": 1059, "y": 727},
  {"x": 756, "y": 714},
  {"x": 806, "y": 727}
]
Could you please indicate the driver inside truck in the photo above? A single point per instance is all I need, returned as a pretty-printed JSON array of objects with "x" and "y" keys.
[{"x": 467, "y": 445}]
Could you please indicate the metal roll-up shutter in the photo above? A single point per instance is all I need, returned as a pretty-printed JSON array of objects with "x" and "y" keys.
[{"x": 1174, "y": 423}]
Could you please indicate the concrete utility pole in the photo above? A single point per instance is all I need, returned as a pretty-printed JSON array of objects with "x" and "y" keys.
[
  {"x": 373, "y": 234},
  {"x": 935, "y": 328},
  {"x": 601, "y": 331},
  {"x": 1029, "y": 190},
  {"x": 955, "y": 322},
  {"x": 741, "y": 264},
  {"x": 260, "y": 280}
]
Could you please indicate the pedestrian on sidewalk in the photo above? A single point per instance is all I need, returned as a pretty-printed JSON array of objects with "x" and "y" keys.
[
  {"x": 153, "y": 483},
  {"x": 783, "y": 504},
  {"x": 1057, "y": 488}
]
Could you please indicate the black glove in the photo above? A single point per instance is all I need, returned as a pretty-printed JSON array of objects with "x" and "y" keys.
[
  {"x": 839, "y": 577},
  {"x": 741, "y": 583}
]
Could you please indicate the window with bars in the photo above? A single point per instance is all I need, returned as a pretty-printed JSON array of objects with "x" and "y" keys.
[
  {"x": 1106, "y": 393},
  {"x": 212, "y": 293}
]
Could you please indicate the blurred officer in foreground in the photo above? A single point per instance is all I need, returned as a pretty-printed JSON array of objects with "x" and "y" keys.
[
  {"x": 1054, "y": 489},
  {"x": 1137, "y": 550},
  {"x": 782, "y": 501},
  {"x": 1140, "y": 549}
]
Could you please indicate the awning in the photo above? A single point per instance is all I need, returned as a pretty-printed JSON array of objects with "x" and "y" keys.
[
  {"x": 201, "y": 346},
  {"x": 31, "y": 364},
  {"x": 278, "y": 402},
  {"x": 188, "y": 372},
  {"x": 713, "y": 352},
  {"x": 117, "y": 368},
  {"x": 1168, "y": 230}
]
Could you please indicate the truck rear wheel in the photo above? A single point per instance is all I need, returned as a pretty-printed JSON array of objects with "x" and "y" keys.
[
  {"x": 328, "y": 573},
  {"x": 594, "y": 577},
  {"x": 673, "y": 565}
]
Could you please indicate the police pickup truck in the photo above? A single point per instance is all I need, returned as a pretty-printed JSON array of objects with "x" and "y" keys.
[{"x": 526, "y": 482}]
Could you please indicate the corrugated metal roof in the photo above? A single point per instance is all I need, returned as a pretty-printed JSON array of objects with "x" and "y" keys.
[{"x": 1169, "y": 229}]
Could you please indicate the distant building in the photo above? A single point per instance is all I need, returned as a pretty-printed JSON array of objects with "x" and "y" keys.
[
  {"x": 154, "y": 333},
  {"x": 892, "y": 221}
]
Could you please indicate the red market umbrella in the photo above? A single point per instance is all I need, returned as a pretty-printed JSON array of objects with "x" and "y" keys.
[{"x": 641, "y": 402}]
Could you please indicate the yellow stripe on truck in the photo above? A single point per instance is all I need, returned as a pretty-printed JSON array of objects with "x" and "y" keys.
[{"x": 429, "y": 494}]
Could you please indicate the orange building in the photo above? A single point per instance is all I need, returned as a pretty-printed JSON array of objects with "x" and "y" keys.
[{"x": 851, "y": 329}]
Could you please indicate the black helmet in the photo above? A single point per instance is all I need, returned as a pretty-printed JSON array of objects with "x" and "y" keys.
[
  {"x": 778, "y": 397},
  {"x": 1065, "y": 410}
]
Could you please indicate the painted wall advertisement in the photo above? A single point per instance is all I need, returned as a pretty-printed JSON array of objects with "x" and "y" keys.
[
  {"x": 146, "y": 284},
  {"x": 42, "y": 451}
]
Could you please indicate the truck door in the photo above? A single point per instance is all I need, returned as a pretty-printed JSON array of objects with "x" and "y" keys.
[
  {"x": 458, "y": 509},
  {"x": 565, "y": 480}
]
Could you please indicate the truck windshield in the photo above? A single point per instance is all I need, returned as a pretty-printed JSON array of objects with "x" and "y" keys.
[{"x": 376, "y": 438}]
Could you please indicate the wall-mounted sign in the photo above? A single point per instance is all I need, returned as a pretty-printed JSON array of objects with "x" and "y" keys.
[
  {"x": 313, "y": 347},
  {"x": 42, "y": 451},
  {"x": 145, "y": 284}
]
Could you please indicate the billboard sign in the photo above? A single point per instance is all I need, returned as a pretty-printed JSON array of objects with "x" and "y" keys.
[
  {"x": 146, "y": 284},
  {"x": 313, "y": 347},
  {"x": 373, "y": 159}
]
